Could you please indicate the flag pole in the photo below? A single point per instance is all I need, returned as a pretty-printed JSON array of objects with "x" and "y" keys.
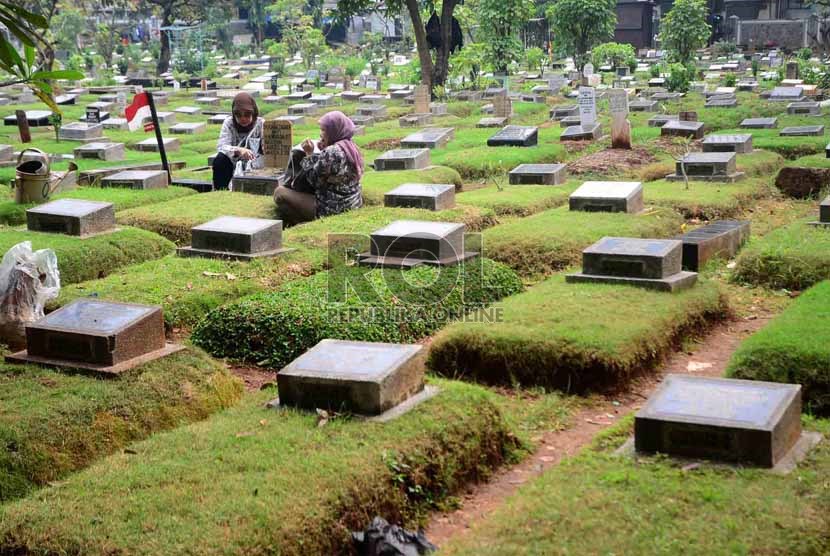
[{"x": 162, "y": 152}]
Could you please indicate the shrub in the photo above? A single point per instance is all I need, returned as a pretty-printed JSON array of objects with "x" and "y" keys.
[
  {"x": 380, "y": 305},
  {"x": 615, "y": 54},
  {"x": 680, "y": 78},
  {"x": 654, "y": 70},
  {"x": 794, "y": 348},
  {"x": 730, "y": 80}
]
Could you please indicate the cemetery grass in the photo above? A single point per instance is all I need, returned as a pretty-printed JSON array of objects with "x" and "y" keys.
[
  {"x": 601, "y": 503},
  {"x": 12, "y": 213},
  {"x": 793, "y": 257},
  {"x": 812, "y": 161},
  {"x": 376, "y": 184},
  {"x": 709, "y": 200},
  {"x": 519, "y": 200},
  {"x": 93, "y": 257},
  {"x": 351, "y": 303},
  {"x": 193, "y": 286},
  {"x": 228, "y": 485},
  {"x": 793, "y": 348},
  {"x": 53, "y": 422},
  {"x": 575, "y": 337},
  {"x": 554, "y": 239}
]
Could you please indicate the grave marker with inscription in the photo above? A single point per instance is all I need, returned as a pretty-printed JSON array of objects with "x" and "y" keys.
[
  {"x": 759, "y": 123},
  {"x": 735, "y": 143},
  {"x": 802, "y": 131},
  {"x": 709, "y": 166},
  {"x": 100, "y": 151},
  {"x": 620, "y": 126},
  {"x": 608, "y": 196},
  {"x": 403, "y": 159},
  {"x": 137, "y": 179},
  {"x": 587, "y": 106},
  {"x": 409, "y": 243},
  {"x": 538, "y": 174},
  {"x": 421, "y": 195},
  {"x": 73, "y": 217},
  {"x": 234, "y": 237},
  {"x": 514, "y": 136},
  {"x": 277, "y": 140},
  {"x": 429, "y": 138}
]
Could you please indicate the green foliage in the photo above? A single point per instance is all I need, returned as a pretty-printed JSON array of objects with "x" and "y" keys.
[
  {"x": 351, "y": 303},
  {"x": 535, "y": 59},
  {"x": 353, "y": 65},
  {"x": 469, "y": 62},
  {"x": 613, "y": 53},
  {"x": 725, "y": 48},
  {"x": 312, "y": 44},
  {"x": 278, "y": 52},
  {"x": 560, "y": 335},
  {"x": 580, "y": 24},
  {"x": 730, "y": 80},
  {"x": 23, "y": 69},
  {"x": 654, "y": 70},
  {"x": 680, "y": 77},
  {"x": 67, "y": 26},
  {"x": 61, "y": 422},
  {"x": 794, "y": 348},
  {"x": 756, "y": 67},
  {"x": 500, "y": 21},
  {"x": 805, "y": 53},
  {"x": 685, "y": 29}
]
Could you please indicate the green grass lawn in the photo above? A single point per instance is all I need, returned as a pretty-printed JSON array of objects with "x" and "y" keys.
[
  {"x": 574, "y": 336},
  {"x": 554, "y": 239},
  {"x": 351, "y": 303},
  {"x": 12, "y": 213},
  {"x": 793, "y": 348},
  {"x": 519, "y": 200},
  {"x": 93, "y": 257},
  {"x": 376, "y": 184},
  {"x": 794, "y": 257},
  {"x": 600, "y": 503},
  {"x": 812, "y": 161},
  {"x": 53, "y": 423},
  {"x": 257, "y": 481},
  {"x": 709, "y": 200}
]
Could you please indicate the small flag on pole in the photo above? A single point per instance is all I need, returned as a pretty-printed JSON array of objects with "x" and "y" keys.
[{"x": 137, "y": 111}]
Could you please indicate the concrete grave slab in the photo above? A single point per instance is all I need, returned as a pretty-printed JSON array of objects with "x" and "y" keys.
[
  {"x": 409, "y": 243},
  {"x": 188, "y": 110},
  {"x": 303, "y": 109},
  {"x": 376, "y": 111},
  {"x": 647, "y": 263},
  {"x": 119, "y": 124},
  {"x": 294, "y": 119},
  {"x": 736, "y": 143},
  {"x": 414, "y": 120},
  {"x": 559, "y": 112},
  {"x": 569, "y": 121},
  {"x": 709, "y": 166},
  {"x": 429, "y": 138},
  {"x": 719, "y": 239},
  {"x": 802, "y": 131},
  {"x": 360, "y": 377},
  {"x": 234, "y": 237},
  {"x": 804, "y": 108},
  {"x": 759, "y": 123},
  {"x": 100, "y": 151},
  {"x": 682, "y": 129},
  {"x": 722, "y": 419},
  {"x": 36, "y": 118},
  {"x": 137, "y": 179},
  {"x": 402, "y": 159},
  {"x": 581, "y": 133},
  {"x": 421, "y": 195},
  {"x": 608, "y": 196},
  {"x": 539, "y": 174},
  {"x": 80, "y": 131},
  {"x": 98, "y": 336},
  {"x": 515, "y": 136},
  {"x": 644, "y": 106},
  {"x": 218, "y": 119},
  {"x": 660, "y": 120},
  {"x": 73, "y": 217},
  {"x": 207, "y": 101},
  {"x": 492, "y": 122},
  {"x": 188, "y": 128},
  {"x": 150, "y": 144},
  {"x": 260, "y": 182}
]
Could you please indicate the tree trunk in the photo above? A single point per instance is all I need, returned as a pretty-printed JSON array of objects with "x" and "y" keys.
[
  {"x": 164, "y": 55},
  {"x": 421, "y": 42}
]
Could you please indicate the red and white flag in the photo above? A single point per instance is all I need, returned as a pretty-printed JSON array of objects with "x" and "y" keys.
[{"x": 137, "y": 111}]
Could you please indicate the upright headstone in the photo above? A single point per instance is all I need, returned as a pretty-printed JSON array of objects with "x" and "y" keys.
[
  {"x": 502, "y": 106},
  {"x": 93, "y": 115},
  {"x": 792, "y": 70},
  {"x": 422, "y": 99},
  {"x": 620, "y": 127},
  {"x": 587, "y": 107},
  {"x": 23, "y": 126},
  {"x": 121, "y": 100},
  {"x": 277, "y": 139}
]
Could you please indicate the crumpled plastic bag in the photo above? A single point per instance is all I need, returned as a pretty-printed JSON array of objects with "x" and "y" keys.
[
  {"x": 28, "y": 280},
  {"x": 382, "y": 539}
]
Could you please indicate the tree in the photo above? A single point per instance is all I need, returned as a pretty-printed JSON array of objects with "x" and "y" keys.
[
  {"x": 535, "y": 58},
  {"x": 616, "y": 54},
  {"x": 189, "y": 11},
  {"x": 469, "y": 62},
  {"x": 578, "y": 25},
  {"x": 256, "y": 19},
  {"x": 817, "y": 27},
  {"x": 684, "y": 30},
  {"x": 313, "y": 44},
  {"x": 433, "y": 72},
  {"x": 67, "y": 27},
  {"x": 500, "y": 23}
]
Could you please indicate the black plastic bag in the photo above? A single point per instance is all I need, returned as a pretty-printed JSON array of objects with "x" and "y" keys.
[
  {"x": 433, "y": 30},
  {"x": 382, "y": 539}
]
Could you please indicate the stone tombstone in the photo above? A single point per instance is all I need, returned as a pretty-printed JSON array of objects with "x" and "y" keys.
[
  {"x": 588, "y": 69},
  {"x": 429, "y": 138},
  {"x": 792, "y": 70},
  {"x": 100, "y": 151},
  {"x": 823, "y": 212},
  {"x": 422, "y": 98},
  {"x": 587, "y": 106},
  {"x": 759, "y": 123},
  {"x": 234, "y": 237},
  {"x": 73, "y": 217},
  {"x": 620, "y": 127},
  {"x": 708, "y": 166},
  {"x": 608, "y": 196},
  {"x": 736, "y": 143},
  {"x": 101, "y": 336},
  {"x": 151, "y": 144},
  {"x": 719, "y": 239},
  {"x": 409, "y": 243},
  {"x": 137, "y": 179},
  {"x": 647, "y": 263},
  {"x": 366, "y": 378},
  {"x": 188, "y": 128},
  {"x": 93, "y": 114},
  {"x": 514, "y": 136},
  {"x": 660, "y": 120},
  {"x": 804, "y": 108},
  {"x": 802, "y": 131},
  {"x": 682, "y": 128},
  {"x": 277, "y": 140},
  {"x": 563, "y": 111},
  {"x": 81, "y": 131},
  {"x": 429, "y": 196},
  {"x": 402, "y": 159},
  {"x": 258, "y": 182},
  {"x": 538, "y": 174},
  {"x": 742, "y": 421},
  {"x": 26, "y": 96},
  {"x": 581, "y": 133},
  {"x": 502, "y": 106},
  {"x": 687, "y": 116},
  {"x": 491, "y": 122},
  {"x": 121, "y": 101},
  {"x": 556, "y": 82}
]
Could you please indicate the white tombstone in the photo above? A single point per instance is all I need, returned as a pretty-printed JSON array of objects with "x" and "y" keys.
[{"x": 587, "y": 106}]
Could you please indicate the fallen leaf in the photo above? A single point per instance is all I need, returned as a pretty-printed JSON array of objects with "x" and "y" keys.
[
  {"x": 696, "y": 367},
  {"x": 263, "y": 422}
]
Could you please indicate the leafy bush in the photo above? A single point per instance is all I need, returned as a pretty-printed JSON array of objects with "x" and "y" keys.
[
  {"x": 680, "y": 78},
  {"x": 685, "y": 29},
  {"x": 805, "y": 53},
  {"x": 654, "y": 71},
  {"x": 730, "y": 80},
  {"x": 615, "y": 54},
  {"x": 381, "y": 305},
  {"x": 725, "y": 48}
]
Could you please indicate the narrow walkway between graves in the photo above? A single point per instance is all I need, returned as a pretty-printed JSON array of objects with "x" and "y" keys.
[{"x": 708, "y": 358}]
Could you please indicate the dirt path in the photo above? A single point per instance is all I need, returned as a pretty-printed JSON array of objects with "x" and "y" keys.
[{"x": 709, "y": 358}]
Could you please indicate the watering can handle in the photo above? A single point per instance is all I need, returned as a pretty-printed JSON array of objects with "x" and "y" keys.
[
  {"x": 20, "y": 156},
  {"x": 47, "y": 190}
]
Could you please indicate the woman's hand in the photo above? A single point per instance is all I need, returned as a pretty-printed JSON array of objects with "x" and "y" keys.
[
  {"x": 308, "y": 147},
  {"x": 245, "y": 154}
]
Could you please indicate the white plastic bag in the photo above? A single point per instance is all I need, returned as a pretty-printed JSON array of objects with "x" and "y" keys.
[{"x": 28, "y": 280}]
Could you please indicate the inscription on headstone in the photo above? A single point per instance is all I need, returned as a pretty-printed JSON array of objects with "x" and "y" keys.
[
  {"x": 277, "y": 140},
  {"x": 620, "y": 127},
  {"x": 421, "y": 195},
  {"x": 587, "y": 106},
  {"x": 408, "y": 243}
]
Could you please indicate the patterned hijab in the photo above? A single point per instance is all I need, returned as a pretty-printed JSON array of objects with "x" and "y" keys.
[
  {"x": 244, "y": 103},
  {"x": 339, "y": 130}
]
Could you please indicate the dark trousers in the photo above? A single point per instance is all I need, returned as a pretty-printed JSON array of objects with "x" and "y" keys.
[{"x": 223, "y": 168}]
